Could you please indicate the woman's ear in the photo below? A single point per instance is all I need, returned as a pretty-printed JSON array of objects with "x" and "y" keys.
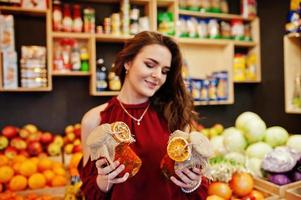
[{"x": 127, "y": 66}]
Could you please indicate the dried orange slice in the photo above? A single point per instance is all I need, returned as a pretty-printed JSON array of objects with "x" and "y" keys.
[
  {"x": 121, "y": 132},
  {"x": 178, "y": 149}
]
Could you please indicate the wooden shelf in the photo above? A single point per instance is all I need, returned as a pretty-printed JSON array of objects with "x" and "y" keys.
[
  {"x": 71, "y": 35},
  {"x": 20, "y": 89},
  {"x": 71, "y": 73},
  {"x": 223, "y": 16},
  {"x": 105, "y": 93},
  {"x": 164, "y": 3},
  {"x": 247, "y": 81},
  {"x": 207, "y": 103},
  {"x": 112, "y": 38},
  {"x": 292, "y": 67},
  {"x": 19, "y": 10},
  {"x": 217, "y": 42}
]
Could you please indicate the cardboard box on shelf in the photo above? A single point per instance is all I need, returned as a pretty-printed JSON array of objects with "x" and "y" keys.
[
  {"x": 7, "y": 33},
  {"x": 10, "y": 69}
]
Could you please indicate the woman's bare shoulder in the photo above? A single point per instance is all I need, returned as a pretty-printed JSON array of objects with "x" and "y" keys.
[{"x": 92, "y": 117}]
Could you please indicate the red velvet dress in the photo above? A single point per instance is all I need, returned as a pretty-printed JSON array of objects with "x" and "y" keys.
[{"x": 151, "y": 141}]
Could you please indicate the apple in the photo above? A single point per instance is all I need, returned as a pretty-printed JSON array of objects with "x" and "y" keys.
[
  {"x": 68, "y": 148},
  {"x": 54, "y": 149},
  {"x": 24, "y": 153},
  {"x": 77, "y": 148},
  {"x": 77, "y": 142},
  {"x": 18, "y": 143},
  {"x": 219, "y": 128},
  {"x": 69, "y": 129},
  {"x": 58, "y": 140},
  {"x": 24, "y": 133},
  {"x": 70, "y": 137},
  {"x": 31, "y": 128},
  {"x": 34, "y": 137},
  {"x": 34, "y": 148},
  {"x": 10, "y": 131},
  {"x": 10, "y": 152},
  {"x": 77, "y": 130},
  {"x": 46, "y": 138},
  {"x": 3, "y": 142}
]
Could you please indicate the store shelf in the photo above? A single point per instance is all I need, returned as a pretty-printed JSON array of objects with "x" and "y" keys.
[
  {"x": 215, "y": 42},
  {"x": 247, "y": 81},
  {"x": 70, "y": 73},
  {"x": 105, "y": 93},
  {"x": 112, "y": 38},
  {"x": 207, "y": 103},
  {"x": 223, "y": 16},
  {"x": 20, "y": 89},
  {"x": 71, "y": 35},
  {"x": 19, "y": 10},
  {"x": 164, "y": 3}
]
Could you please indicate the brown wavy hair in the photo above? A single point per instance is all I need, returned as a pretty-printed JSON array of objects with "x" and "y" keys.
[{"x": 171, "y": 101}]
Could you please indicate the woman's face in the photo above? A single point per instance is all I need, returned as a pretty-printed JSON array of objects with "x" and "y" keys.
[{"x": 149, "y": 69}]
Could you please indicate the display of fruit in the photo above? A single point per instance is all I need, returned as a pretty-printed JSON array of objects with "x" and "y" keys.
[
  {"x": 28, "y": 141},
  {"x": 72, "y": 139},
  {"x": 21, "y": 173}
]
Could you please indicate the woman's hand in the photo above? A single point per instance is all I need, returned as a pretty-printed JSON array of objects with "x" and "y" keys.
[
  {"x": 107, "y": 174},
  {"x": 188, "y": 179}
]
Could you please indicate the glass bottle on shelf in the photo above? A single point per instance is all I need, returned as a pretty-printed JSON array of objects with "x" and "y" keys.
[
  {"x": 67, "y": 20},
  {"x": 101, "y": 75},
  {"x": 84, "y": 57},
  {"x": 114, "y": 80},
  {"x": 75, "y": 56},
  {"x": 66, "y": 52},
  {"x": 57, "y": 16},
  {"x": 77, "y": 20}
]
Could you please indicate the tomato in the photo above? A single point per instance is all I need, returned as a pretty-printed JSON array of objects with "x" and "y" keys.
[
  {"x": 220, "y": 189},
  {"x": 256, "y": 194},
  {"x": 241, "y": 184}
]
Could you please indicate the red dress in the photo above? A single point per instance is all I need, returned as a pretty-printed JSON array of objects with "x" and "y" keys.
[{"x": 151, "y": 141}]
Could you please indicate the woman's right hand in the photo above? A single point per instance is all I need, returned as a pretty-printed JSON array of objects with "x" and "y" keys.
[{"x": 108, "y": 174}]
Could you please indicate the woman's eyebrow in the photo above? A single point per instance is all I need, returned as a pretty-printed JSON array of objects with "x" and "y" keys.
[{"x": 155, "y": 61}]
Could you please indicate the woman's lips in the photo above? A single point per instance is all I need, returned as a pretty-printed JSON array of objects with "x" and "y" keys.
[{"x": 151, "y": 85}]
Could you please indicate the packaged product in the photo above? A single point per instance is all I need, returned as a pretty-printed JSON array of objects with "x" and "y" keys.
[
  {"x": 7, "y": 35},
  {"x": 37, "y": 4},
  {"x": 113, "y": 142},
  {"x": 10, "y": 69}
]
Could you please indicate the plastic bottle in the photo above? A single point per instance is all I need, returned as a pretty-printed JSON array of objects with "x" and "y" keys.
[
  {"x": 101, "y": 75},
  {"x": 84, "y": 57},
  {"x": 75, "y": 56}
]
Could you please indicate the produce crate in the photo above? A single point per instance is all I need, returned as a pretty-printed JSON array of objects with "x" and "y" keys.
[
  {"x": 267, "y": 194},
  {"x": 57, "y": 193},
  {"x": 273, "y": 188},
  {"x": 293, "y": 194}
]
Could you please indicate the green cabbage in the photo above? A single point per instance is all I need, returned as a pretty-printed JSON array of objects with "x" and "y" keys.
[
  {"x": 236, "y": 156},
  {"x": 276, "y": 136},
  {"x": 234, "y": 140},
  {"x": 252, "y": 126},
  {"x": 217, "y": 145},
  {"x": 253, "y": 165},
  {"x": 294, "y": 142},
  {"x": 258, "y": 150}
]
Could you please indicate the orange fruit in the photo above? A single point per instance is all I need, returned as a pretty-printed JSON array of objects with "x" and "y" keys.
[
  {"x": 75, "y": 159},
  {"x": 3, "y": 160},
  {"x": 49, "y": 174},
  {"x": 35, "y": 160},
  {"x": 19, "y": 159},
  {"x": 16, "y": 167},
  {"x": 28, "y": 168},
  {"x": 256, "y": 194},
  {"x": 59, "y": 171},
  {"x": 58, "y": 181},
  {"x": 241, "y": 183},
  {"x": 220, "y": 189},
  {"x": 36, "y": 181},
  {"x": 44, "y": 164},
  {"x": 178, "y": 149},
  {"x": 18, "y": 183},
  {"x": 214, "y": 197},
  {"x": 6, "y": 173},
  {"x": 56, "y": 164},
  {"x": 1, "y": 188},
  {"x": 122, "y": 132}
]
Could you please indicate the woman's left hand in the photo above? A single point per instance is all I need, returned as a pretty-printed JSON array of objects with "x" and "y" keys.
[{"x": 188, "y": 178}]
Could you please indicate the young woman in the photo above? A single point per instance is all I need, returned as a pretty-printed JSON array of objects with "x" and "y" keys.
[{"x": 153, "y": 102}]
